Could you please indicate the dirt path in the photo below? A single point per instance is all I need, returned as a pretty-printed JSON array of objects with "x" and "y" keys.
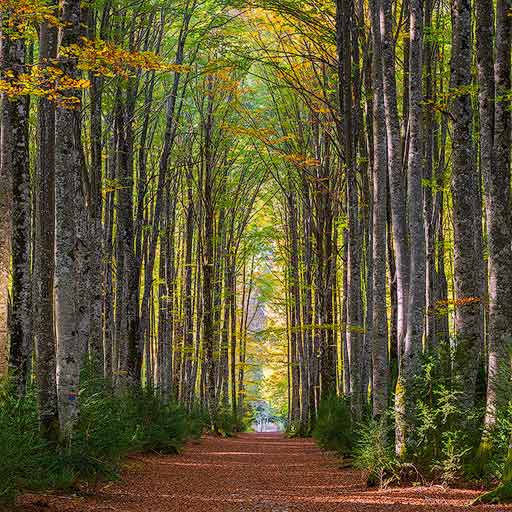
[{"x": 253, "y": 472}]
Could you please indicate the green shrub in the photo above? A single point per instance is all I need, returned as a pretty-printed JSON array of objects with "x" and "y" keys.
[
  {"x": 110, "y": 426},
  {"x": 159, "y": 426},
  {"x": 448, "y": 434},
  {"x": 454, "y": 451},
  {"x": 374, "y": 452},
  {"x": 494, "y": 451},
  {"x": 225, "y": 424},
  {"x": 198, "y": 421},
  {"x": 26, "y": 459},
  {"x": 103, "y": 436},
  {"x": 333, "y": 429},
  {"x": 21, "y": 447}
]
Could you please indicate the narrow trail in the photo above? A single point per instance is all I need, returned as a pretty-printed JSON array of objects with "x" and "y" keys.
[{"x": 252, "y": 472}]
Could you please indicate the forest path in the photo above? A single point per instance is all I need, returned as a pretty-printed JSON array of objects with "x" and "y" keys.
[{"x": 251, "y": 472}]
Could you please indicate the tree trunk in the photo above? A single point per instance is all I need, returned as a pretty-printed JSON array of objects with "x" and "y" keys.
[
  {"x": 69, "y": 203},
  {"x": 127, "y": 270},
  {"x": 95, "y": 238},
  {"x": 15, "y": 163},
  {"x": 396, "y": 175},
  {"x": 354, "y": 301},
  {"x": 44, "y": 263},
  {"x": 188, "y": 340},
  {"x": 208, "y": 369},
  {"x": 465, "y": 215},
  {"x": 379, "y": 333},
  {"x": 496, "y": 171},
  {"x": 406, "y": 394},
  {"x": 295, "y": 304},
  {"x": 429, "y": 190},
  {"x": 5, "y": 219},
  {"x": 233, "y": 336}
]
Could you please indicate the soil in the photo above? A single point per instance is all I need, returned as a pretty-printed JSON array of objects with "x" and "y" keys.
[{"x": 250, "y": 472}]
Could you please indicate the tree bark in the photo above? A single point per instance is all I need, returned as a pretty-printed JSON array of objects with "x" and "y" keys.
[
  {"x": 396, "y": 175},
  {"x": 465, "y": 214},
  {"x": 496, "y": 171},
  {"x": 354, "y": 301},
  {"x": 406, "y": 393},
  {"x": 18, "y": 147},
  {"x": 5, "y": 219},
  {"x": 379, "y": 333},
  {"x": 127, "y": 269},
  {"x": 69, "y": 201},
  {"x": 44, "y": 262}
]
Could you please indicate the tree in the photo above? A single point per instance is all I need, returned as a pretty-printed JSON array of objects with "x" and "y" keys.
[
  {"x": 44, "y": 240},
  {"x": 15, "y": 152},
  {"x": 465, "y": 217},
  {"x": 379, "y": 336},
  {"x": 495, "y": 144},
  {"x": 69, "y": 229},
  {"x": 353, "y": 291}
]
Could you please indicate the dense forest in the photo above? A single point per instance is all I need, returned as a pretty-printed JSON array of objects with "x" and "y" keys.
[{"x": 207, "y": 206}]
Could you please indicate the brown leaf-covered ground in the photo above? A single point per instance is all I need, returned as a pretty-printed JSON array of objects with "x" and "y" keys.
[{"x": 252, "y": 472}]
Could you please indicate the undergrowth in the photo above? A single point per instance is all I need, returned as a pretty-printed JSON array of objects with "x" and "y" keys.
[
  {"x": 333, "y": 428},
  {"x": 374, "y": 452},
  {"x": 110, "y": 427},
  {"x": 450, "y": 446}
]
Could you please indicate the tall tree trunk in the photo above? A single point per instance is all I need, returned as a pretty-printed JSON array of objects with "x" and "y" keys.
[
  {"x": 464, "y": 190},
  {"x": 496, "y": 171},
  {"x": 379, "y": 333},
  {"x": 396, "y": 175},
  {"x": 233, "y": 336},
  {"x": 44, "y": 263},
  {"x": 223, "y": 378},
  {"x": 295, "y": 304},
  {"x": 5, "y": 217},
  {"x": 167, "y": 288},
  {"x": 127, "y": 269},
  {"x": 95, "y": 238},
  {"x": 109, "y": 331},
  {"x": 208, "y": 369},
  {"x": 393, "y": 295},
  {"x": 354, "y": 300},
  {"x": 324, "y": 277},
  {"x": 429, "y": 191},
  {"x": 15, "y": 149},
  {"x": 308, "y": 403},
  {"x": 406, "y": 394},
  {"x": 344, "y": 341},
  {"x": 188, "y": 339},
  {"x": 69, "y": 202}
]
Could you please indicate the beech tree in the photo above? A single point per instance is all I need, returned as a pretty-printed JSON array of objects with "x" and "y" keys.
[
  {"x": 465, "y": 218},
  {"x": 69, "y": 230},
  {"x": 495, "y": 142}
]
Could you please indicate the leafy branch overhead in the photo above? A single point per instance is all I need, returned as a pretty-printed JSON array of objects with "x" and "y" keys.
[{"x": 96, "y": 56}]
